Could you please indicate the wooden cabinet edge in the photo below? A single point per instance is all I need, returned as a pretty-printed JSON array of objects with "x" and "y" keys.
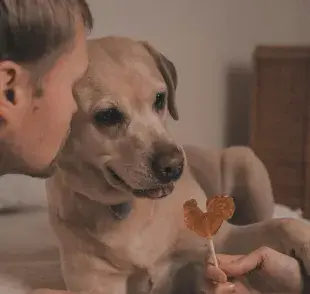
[{"x": 282, "y": 52}]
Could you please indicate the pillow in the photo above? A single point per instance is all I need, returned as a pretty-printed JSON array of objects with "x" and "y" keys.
[{"x": 18, "y": 191}]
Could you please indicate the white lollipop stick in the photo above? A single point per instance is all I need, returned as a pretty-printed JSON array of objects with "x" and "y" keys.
[{"x": 212, "y": 251}]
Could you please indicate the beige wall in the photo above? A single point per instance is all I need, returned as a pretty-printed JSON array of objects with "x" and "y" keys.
[{"x": 210, "y": 42}]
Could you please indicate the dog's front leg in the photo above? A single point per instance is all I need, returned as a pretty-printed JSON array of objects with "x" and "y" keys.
[
  {"x": 88, "y": 274},
  {"x": 96, "y": 282},
  {"x": 288, "y": 236}
]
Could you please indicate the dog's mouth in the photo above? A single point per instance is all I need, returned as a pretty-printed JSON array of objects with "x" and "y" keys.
[{"x": 152, "y": 193}]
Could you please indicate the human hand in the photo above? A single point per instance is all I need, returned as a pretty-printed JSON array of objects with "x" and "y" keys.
[
  {"x": 224, "y": 288},
  {"x": 267, "y": 270}
]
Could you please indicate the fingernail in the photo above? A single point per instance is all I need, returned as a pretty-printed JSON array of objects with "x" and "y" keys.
[{"x": 231, "y": 286}]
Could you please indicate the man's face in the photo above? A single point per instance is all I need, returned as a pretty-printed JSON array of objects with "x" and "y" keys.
[{"x": 34, "y": 129}]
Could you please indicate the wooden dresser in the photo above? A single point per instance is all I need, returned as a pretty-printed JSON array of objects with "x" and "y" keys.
[{"x": 280, "y": 121}]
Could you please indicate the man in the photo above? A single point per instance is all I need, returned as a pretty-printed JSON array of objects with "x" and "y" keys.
[{"x": 42, "y": 55}]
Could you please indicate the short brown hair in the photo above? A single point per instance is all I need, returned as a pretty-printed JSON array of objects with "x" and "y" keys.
[{"x": 31, "y": 30}]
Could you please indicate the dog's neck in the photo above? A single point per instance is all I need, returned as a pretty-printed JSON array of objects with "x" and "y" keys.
[
  {"x": 83, "y": 179},
  {"x": 120, "y": 208}
]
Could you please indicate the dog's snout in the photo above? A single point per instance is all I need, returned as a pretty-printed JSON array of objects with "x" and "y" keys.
[{"x": 167, "y": 164}]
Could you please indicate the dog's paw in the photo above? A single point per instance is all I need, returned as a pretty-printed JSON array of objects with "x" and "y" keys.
[{"x": 296, "y": 240}]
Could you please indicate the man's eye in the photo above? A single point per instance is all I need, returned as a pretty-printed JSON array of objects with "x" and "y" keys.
[
  {"x": 160, "y": 101},
  {"x": 108, "y": 117}
]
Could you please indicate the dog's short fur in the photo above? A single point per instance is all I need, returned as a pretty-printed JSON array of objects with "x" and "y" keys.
[{"x": 113, "y": 240}]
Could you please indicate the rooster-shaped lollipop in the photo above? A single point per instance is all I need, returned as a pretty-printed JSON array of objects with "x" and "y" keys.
[{"x": 206, "y": 224}]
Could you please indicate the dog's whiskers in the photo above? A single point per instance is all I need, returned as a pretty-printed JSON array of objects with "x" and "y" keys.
[{"x": 139, "y": 174}]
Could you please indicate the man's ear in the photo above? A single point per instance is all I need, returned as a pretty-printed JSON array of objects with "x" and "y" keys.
[
  {"x": 10, "y": 72},
  {"x": 169, "y": 73},
  {"x": 11, "y": 80}
]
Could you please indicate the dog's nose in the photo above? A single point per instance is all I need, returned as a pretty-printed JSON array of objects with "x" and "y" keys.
[{"x": 168, "y": 164}]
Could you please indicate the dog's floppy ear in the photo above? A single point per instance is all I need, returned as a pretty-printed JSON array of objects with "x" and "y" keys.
[{"x": 169, "y": 73}]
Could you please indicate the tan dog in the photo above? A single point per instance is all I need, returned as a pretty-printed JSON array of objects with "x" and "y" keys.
[{"x": 116, "y": 235}]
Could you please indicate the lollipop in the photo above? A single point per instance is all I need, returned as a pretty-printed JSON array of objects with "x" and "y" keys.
[{"x": 207, "y": 224}]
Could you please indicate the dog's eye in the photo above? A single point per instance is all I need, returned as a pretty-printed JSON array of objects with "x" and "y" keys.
[
  {"x": 160, "y": 101},
  {"x": 108, "y": 117}
]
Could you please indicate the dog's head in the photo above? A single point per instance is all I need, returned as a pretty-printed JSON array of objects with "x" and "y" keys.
[{"x": 124, "y": 101}]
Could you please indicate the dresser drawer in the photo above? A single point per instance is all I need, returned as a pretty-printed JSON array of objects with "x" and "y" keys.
[
  {"x": 288, "y": 182},
  {"x": 280, "y": 120}
]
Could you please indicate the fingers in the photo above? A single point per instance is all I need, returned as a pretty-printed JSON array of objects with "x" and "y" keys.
[
  {"x": 226, "y": 288},
  {"x": 240, "y": 288},
  {"x": 224, "y": 259},
  {"x": 215, "y": 274},
  {"x": 245, "y": 263}
]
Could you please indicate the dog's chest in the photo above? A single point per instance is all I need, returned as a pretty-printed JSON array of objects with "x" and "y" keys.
[
  {"x": 153, "y": 227},
  {"x": 145, "y": 235}
]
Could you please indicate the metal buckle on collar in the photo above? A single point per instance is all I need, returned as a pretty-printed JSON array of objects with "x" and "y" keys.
[{"x": 121, "y": 211}]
